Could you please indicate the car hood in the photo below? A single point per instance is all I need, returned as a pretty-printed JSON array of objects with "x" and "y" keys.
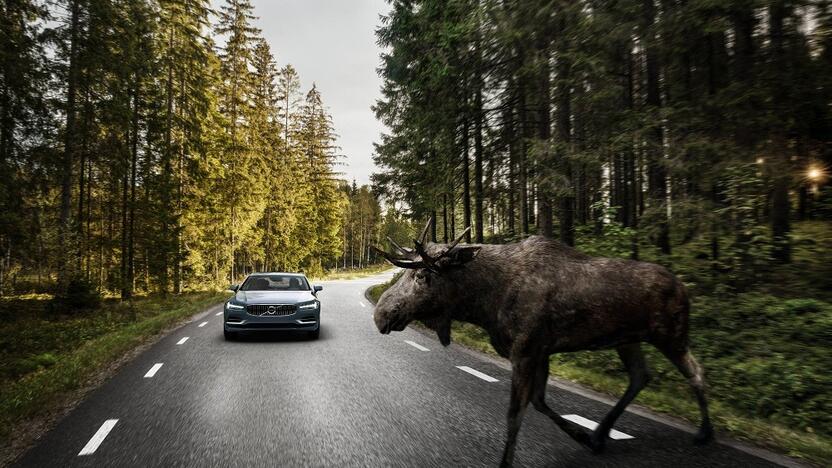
[{"x": 273, "y": 297}]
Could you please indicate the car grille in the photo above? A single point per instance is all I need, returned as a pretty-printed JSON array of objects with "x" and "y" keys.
[{"x": 275, "y": 310}]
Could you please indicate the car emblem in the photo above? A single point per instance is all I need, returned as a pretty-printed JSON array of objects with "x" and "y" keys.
[{"x": 270, "y": 310}]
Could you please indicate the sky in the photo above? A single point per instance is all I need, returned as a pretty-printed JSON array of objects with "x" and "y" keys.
[{"x": 332, "y": 43}]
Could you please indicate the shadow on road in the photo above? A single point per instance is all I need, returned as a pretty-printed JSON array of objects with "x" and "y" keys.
[{"x": 278, "y": 337}]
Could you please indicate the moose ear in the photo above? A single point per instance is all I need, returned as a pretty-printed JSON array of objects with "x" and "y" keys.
[{"x": 462, "y": 254}]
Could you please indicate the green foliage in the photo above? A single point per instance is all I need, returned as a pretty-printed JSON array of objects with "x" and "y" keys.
[
  {"x": 822, "y": 206},
  {"x": 376, "y": 291},
  {"x": 747, "y": 256},
  {"x": 27, "y": 365},
  {"x": 79, "y": 294},
  {"x": 615, "y": 239}
]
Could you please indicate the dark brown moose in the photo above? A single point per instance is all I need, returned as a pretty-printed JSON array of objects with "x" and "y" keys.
[{"x": 539, "y": 297}]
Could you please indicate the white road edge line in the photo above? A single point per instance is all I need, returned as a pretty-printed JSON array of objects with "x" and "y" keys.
[
  {"x": 591, "y": 425},
  {"x": 416, "y": 345},
  {"x": 98, "y": 437},
  {"x": 203, "y": 324},
  {"x": 153, "y": 370},
  {"x": 477, "y": 373},
  {"x": 362, "y": 304},
  {"x": 218, "y": 313},
  {"x": 182, "y": 340}
]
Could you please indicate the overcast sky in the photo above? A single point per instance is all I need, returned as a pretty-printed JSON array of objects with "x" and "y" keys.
[{"x": 333, "y": 43}]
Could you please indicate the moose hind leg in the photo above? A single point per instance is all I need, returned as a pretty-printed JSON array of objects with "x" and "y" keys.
[
  {"x": 633, "y": 359},
  {"x": 687, "y": 365}
]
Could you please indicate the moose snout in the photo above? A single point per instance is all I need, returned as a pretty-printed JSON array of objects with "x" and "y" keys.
[
  {"x": 382, "y": 319},
  {"x": 388, "y": 320},
  {"x": 381, "y": 322}
]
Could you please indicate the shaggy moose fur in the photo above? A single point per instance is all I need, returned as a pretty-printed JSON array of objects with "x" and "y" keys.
[{"x": 539, "y": 297}]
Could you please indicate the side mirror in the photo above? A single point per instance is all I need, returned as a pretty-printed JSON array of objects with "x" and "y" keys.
[
  {"x": 234, "y": 287},
  {"x": 317, "y": 288}
]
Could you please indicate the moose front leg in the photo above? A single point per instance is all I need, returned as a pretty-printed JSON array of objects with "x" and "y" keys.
[
  {"x": 541, "y": 382},
  {"x": 522, "y": 380}
]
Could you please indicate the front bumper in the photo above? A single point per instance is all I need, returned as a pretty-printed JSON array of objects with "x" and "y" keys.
[{"x": 306, "y": 320}]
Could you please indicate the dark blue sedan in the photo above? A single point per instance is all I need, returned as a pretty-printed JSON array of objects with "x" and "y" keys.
[{"x": 273, "y": 302}]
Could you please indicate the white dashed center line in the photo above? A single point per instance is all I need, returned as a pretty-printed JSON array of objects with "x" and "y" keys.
[
  {"x": 99, "y": 436},
  {"x": 218, "y": 313},
  {"x": 477, "y": 373},
  {"x": 416, "y": 345},
  {"x": 203, "y": 324},
  {"x": 591, "y": 425},
  {"x": 362, "y": 304},
  {"x": 153, "y": 370},
  {"x": 182, "y": 340}
]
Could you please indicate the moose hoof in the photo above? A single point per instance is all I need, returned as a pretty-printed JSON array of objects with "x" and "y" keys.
[
  {"x": 583, "y": 438},
  {"x": 597, "y": 443},
  {"x": 704, "y": 436}
]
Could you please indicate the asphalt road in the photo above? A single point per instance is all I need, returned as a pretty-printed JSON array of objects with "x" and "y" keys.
[{"x": 352, "y": 398}]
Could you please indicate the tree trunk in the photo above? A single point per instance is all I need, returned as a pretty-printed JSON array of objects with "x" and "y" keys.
[
  {"x": 510, "y": 138},
  {"x": 466, "y": 180},
  {"x": 544, "y": 134},
  {"x": 134, "y": 156},
  {"x": 478, "y": 149},
  {"x": 65, "y": 244},
  {"x": 523, "y": 163},
  {"x": 781, "y": 167},
  {"x": 125, "y": 177},
  {"x": 656, "y": 169},
  {"x": 445, "y": 218},
  {"x": 168, "y": 156},
  {"x": 564, "y": 129}
]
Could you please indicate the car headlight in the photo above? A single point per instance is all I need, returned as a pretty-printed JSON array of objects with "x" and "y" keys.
[
  {"x": 231, "y": 306},
  {"x": 308, "y": 306}
]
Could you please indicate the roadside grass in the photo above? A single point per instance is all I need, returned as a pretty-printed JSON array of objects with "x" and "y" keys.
[
  {"x": 766, "y": 353},
  {"x": 376, "y": 291},
  {"x": 47, "y": 355},
  {"x": 352, "y": 273}
]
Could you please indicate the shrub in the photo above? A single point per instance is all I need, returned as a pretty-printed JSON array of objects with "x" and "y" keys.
[{"x": 79, "y": 295}]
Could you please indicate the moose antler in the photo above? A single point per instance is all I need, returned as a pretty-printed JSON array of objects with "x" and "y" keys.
[
  {"x": 411, "y": 261},
  {"x": 403, "y": 250},
  {"x": 418, "y": 258}
]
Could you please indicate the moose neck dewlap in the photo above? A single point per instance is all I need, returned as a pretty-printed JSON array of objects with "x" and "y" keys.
[{"x": 442, "y": 326}]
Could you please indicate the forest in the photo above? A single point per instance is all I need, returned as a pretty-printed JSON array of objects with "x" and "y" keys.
[
  {"x": 670, "y": 120},
  {"x": 158, "y": 146}
]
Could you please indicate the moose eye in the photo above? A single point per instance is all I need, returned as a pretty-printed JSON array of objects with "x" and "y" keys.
[{"x": 421, "y": 275}]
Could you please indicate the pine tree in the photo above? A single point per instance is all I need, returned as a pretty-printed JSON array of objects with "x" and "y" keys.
[
  {"x": 243, "y": 165},
  {"x": 22, "y": 112},
  {"x": 316, "y": 138},
  {"x": 183, "y": 52},
  {"x": 289, "y": 102}
]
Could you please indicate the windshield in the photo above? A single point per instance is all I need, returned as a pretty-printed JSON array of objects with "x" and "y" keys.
[{"x": 275, "y": 283}]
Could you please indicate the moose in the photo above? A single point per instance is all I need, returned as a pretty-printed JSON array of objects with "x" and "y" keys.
[{"x": 539, "y": 297}]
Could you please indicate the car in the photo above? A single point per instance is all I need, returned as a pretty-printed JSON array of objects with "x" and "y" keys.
[{"x": 273, "y": 302}]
